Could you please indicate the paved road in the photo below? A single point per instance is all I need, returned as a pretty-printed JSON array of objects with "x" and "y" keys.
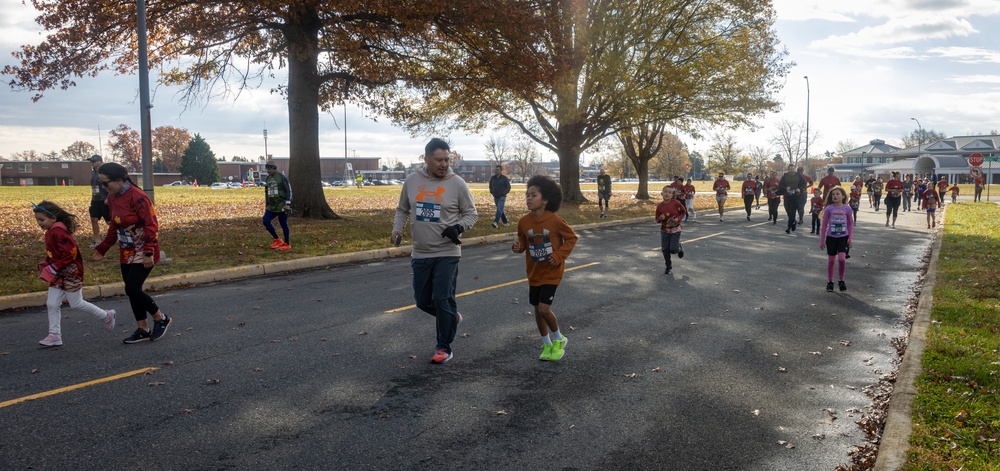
[{"x": 706, "y": 369}]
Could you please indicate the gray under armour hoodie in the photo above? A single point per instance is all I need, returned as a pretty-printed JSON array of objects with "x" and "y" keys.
[{"x": 432, "y": 204}]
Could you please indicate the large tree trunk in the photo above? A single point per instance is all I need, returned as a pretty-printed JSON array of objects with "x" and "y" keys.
[
  {"x": 642, "y": 170},
  {"x": 308, "y": 199},
  {"x": 569, "y": 172}
]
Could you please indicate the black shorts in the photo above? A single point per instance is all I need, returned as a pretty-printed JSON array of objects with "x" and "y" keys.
[
  {"x": 544, "y": 294},
  {"x": 100, "y": 210},
  {"x": 835, "y": 245},
  {"x": 603, "y": 197}
]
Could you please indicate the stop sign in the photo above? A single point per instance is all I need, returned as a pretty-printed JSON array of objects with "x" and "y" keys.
[{"x": 976, "y": 159}]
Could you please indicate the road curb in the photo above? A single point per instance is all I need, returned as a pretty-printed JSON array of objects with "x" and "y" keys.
[
  {"x": 895, "y": 439},
  {"x": 166, "y": 282}
]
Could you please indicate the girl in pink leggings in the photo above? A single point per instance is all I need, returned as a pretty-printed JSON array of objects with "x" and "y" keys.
[{"x": 837, "y": 233}]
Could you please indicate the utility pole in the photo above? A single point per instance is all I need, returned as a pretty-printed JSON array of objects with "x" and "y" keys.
[{"x": 807, "y": 124}]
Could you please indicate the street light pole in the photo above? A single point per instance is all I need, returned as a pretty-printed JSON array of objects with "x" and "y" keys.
[
  {"x": 144, "y": 104},
  {"x": 807, "y": 122},
  {"x": 920, "y": 137}
]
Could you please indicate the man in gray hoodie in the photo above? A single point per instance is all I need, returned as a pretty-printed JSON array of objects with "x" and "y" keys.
[{"x": 439, "y": 207}]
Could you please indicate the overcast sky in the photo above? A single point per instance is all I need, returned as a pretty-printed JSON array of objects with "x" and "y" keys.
[{"x": 872, "y": 65}]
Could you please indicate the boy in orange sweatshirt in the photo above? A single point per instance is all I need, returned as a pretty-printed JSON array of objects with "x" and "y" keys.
[{"x": 547, "y": 241}]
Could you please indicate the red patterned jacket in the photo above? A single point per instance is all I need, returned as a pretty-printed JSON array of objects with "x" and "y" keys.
[{"x": 133, "y": 225}]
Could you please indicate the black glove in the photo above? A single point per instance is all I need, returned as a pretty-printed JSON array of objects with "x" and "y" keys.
[{"x": 452, "y": 233}]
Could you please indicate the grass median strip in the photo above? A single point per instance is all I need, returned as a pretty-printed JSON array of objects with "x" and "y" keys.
[
  {"x": 956, "y": 413},
  {"x": 74, "y": 387},
  {"x": 203, "y": 229}
]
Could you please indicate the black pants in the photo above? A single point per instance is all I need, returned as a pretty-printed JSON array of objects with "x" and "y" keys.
[
  {"x": 815, "y": 223},
  {"x": 978, "y": 194},
  {"x": 772, "y": 208},
  {"x": 791, "y": 209},
  {"x": 878, "y": 200},
  {"x": 134, "y": 275},
  {"x": 747, "y": 203},
  {"x": 670, "y": 243}
]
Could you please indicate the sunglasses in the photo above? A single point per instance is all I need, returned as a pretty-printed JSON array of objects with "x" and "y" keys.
[{"x": 105, "y": 183}]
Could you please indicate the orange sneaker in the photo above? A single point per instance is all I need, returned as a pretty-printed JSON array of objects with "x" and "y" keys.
[
  {"x": 284, "y": 246},
  {"x": 277, "y": 243}
]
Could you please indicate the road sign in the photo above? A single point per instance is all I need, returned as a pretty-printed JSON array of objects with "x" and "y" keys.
[
  {"x": 976, "y": 159},
  {"x": 992, "y": 159}
]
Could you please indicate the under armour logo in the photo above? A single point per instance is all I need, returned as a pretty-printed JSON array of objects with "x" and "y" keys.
[{"x": 424, "y": 195}]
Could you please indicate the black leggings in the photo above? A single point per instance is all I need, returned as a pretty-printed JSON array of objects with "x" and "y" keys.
[
  {"x": 134, "y": 275},
  {"x": 772, "y": 208},
  {"x": 816, "y": 223},
  {"x": 747, "y": 203},
  {"x": 878, "y": 199},
  {"x": 891, "y": 207}
]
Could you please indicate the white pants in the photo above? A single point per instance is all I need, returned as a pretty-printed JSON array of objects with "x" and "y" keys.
[
  {"x": 76, "y": 301},
  {"x": 690, "y": 208}
]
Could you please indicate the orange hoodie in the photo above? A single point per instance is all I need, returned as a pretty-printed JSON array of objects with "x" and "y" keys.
[{"x": 542, "y": 238}]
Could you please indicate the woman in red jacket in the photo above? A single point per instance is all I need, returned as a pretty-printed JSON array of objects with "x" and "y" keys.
[{"x": 133, "y": 225}]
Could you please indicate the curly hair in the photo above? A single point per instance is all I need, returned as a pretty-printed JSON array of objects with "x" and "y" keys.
[
  {"x": 53, "y": 210},
  {"x": 549, "y": 189}
]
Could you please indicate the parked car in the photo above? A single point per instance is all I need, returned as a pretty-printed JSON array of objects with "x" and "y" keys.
[
  {"x": 177, "y": 183},
  {"x": 325, "y": 184},
  {"x": 337, "y": 183},
  {"x": 220, "y": 186},
  {"x": 235, "y": 184}
]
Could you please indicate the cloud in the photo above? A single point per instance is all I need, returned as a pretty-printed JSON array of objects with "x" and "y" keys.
[
  {"x": 850, "y": 11},
  {"x": 967, "y": 55},
  {"x": 898, "y": 31},
  {"x": 974, "y": 79}
]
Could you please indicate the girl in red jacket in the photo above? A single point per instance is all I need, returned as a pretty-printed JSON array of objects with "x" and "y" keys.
[{"x": 63, "y": 269}]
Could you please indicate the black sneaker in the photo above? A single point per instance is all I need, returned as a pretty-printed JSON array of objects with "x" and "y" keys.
[
  {"x": 160, "y": 327},
  {"x": 667, "y": 271},
  {"x": 829, "y": 286},
  {"x": 843, "y": 286},
  {"x": 139, "y": 335}
]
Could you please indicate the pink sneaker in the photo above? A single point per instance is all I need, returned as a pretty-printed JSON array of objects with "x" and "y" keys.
[
  {"x": 52, "y": 340},
  {"x": 109, "y": 321}
]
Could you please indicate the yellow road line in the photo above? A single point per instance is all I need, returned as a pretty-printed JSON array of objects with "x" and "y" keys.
[
  {"x": 74, "y": 387},
  {"x": 692, "y": 240},
  {"x": 488, "y": 288}
]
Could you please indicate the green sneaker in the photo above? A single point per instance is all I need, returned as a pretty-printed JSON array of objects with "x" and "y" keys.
[
  {"x": 558, "y": 349},
  {"x": 546, "y": 352}
]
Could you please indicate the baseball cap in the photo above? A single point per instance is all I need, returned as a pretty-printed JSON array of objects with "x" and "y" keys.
[{"x": 95, "y": 158}]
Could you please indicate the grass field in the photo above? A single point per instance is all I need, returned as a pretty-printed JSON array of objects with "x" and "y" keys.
[
  {"x": 956, "y": 414},
  {"x": 202, "y": 229}
]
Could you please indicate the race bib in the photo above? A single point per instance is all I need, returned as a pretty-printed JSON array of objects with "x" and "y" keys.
[
  {"x": 855, "y": 204},
  {"x": 96, "y": 190},
  {"x": 748, "y": 192},
  {"x": 541, "y": 251},
  {"x": 272, "y": 191},
  {"x": 428, "y": 212},
  {"x": 838, "y": 229},
  {"x": 125, "y": 238}
]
